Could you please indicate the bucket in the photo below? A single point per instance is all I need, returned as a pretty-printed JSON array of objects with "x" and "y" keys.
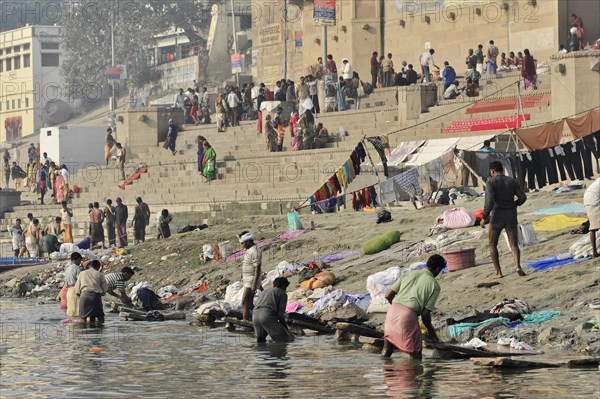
[{"x": 461, "y": 258}]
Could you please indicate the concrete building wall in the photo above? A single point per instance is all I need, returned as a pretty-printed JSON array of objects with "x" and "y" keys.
[
  {"x": 451, "y": 27},
  {"x": 25, "y": 91}
]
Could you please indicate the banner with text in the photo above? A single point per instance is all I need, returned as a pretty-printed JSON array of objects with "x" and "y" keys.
[
  {"x": 324, "y": 12},
  {"x": 236, "y": 63}
]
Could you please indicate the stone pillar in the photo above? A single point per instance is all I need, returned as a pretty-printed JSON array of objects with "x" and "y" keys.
[{"x": 414, "y": 100}]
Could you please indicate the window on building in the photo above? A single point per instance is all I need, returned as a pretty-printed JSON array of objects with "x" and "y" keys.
[
  {"x": 19, "y": 103},
  {"x": 1, "y": 51},
  {"x": 26, "y": 46},
  {"x": 26, "y": 102},
  {"x": 17, "y": 62},
  {"x": 8, "y": 64},
  {"x": 17, "y": 49},
  {"x": 26, "y": 60},
  {"x": 12, "y": 104},
  {"x": 1, "y": 66},
  {"x": 8, "y": 50},
  {"x": 50, "y": 60},
  {"x": 7, "y": 105},
  {"x": 49, "y": 46}
]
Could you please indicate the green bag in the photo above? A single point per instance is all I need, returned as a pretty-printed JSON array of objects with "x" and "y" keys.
[{"x": 380, "y": 243}]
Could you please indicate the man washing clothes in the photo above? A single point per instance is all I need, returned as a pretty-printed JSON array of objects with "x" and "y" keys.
[
  {"x": 269, "y": 313},
  {"x": 501, "y": 207},
  {"x": 251, "y": 266},
  {"x": 412, "y": 295}
]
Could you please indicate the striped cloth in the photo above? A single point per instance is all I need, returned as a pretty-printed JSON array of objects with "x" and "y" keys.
[{"x": 115, "y": 282}]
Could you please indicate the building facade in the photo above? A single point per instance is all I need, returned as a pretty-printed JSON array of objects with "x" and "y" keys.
[
  {"x": 407, "y": 28},
  {"x": 31, "y": 87}
]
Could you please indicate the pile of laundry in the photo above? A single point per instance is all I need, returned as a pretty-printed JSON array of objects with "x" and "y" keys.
[
  {"x": 580, "y": 250},
  {"x": 320, "y": 301},
  {"x": 47, "y": 282},
  {"x": 511, "y": 313}
]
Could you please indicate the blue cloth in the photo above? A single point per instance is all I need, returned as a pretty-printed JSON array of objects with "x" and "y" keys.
[
  {"x": 533, "y": 318},
  {"x": 553, "y": 261},
  {"x": 564, "y": 208},
  {"x": 449, "y": 75},
  {"x": 84, "y": 244},
  {"x": 340, "y": 98}
]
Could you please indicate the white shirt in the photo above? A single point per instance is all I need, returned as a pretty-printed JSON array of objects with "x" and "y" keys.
[
  {"x": 347, "y": 70},
  {"x": 66, "y": 218},
  {"x": 66, "y": 176},
  {"x": 426, "y": 58},
  {"x": 161, "y": 219},
  {"x": 592, "y": 194},
  {"x": 233, "y": 100},
  {"x": 252, "y": 259},
  {"x": 452, "y": 88},
  {"x": 255, "y": 92},
  {"x": 180, "y": 100}
]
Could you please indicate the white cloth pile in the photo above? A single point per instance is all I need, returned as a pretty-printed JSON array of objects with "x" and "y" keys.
[
  {"x": 329, "y": 302},
  {"x": 582, "y": 248},
  {"x": 515, "y": 344},
  {"x": 216, "y": 305},
  {"x": 283, "y": 269},
  {"x": 378, "y": 284},
  {"x": 234, "y": 293}
]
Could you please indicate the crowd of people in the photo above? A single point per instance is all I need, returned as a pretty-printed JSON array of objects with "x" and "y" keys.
[
  {"x": 33, "y": 240},
  {"x": 41, "y": 175}
]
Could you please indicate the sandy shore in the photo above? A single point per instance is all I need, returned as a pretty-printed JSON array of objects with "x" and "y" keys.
[{"x": 569, "y": 289}]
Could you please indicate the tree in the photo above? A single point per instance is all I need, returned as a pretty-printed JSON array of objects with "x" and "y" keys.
[
  {"x": 87, "y": 38},
  {"x": 18, "y": 13}
]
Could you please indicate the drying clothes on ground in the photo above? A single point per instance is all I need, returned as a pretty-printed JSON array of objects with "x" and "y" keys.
[
  {"x": 189, "y": 228},
  {"x": 553, "y": 261},
  {"x": 564, "y": 208},
  {"x": 511, "y": 306},
  {"x": 380, "y": 147},
  {"x": 557, "y": 222}
]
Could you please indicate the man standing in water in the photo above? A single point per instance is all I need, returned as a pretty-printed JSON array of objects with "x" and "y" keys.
[
  {"x": 501, "y": 206},
  {"x": 269, "y": 314},
  {"x": 412, "y": 295},
  {"x": 251, "y": 266},
  {"x": 71, "y": 275}
]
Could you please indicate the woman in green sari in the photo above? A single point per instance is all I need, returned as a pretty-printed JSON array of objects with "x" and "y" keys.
[{"x": 209, "y": 161}]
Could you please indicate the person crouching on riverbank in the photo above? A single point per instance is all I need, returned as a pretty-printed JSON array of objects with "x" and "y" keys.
[
  {"x": 412, "y": 295},
  {"x": 90, "y": 288},
  {"x": 269, "y": 313},
  {"x": 251, "y": 266}
]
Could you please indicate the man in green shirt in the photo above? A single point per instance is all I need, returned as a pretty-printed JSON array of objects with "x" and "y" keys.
[{"x": 413, "y": 295}]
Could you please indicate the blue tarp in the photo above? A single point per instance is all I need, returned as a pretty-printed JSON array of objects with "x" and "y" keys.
[
  {"x": 564, "y": 208},
  {"x": 551, "y": 262}
]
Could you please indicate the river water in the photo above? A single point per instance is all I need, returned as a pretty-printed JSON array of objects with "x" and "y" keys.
[{"x": 42, "y": 358}]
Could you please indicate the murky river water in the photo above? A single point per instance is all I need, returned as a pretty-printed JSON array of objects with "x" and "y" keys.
[{"x": 39, "y": 357}]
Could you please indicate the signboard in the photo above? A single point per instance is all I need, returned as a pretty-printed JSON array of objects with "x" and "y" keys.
[
  {"x": 324, "y": 12},
  {"x": 236, "y": 63},
  {"x": 117, "y": 72},
  {"x": 254, "y": 56},
  {"x": 298, "y": 39},
  {"x": 270, "y": 34}
]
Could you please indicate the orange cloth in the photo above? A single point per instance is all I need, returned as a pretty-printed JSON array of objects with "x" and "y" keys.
[
  {"x": 543, "y": 136},
  {"x": 585, "y": 124}
]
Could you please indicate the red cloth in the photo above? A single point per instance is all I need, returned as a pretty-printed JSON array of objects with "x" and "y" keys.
[
  {"x": 333, "y": 187},
  {"x": 402, "y": 329}
]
